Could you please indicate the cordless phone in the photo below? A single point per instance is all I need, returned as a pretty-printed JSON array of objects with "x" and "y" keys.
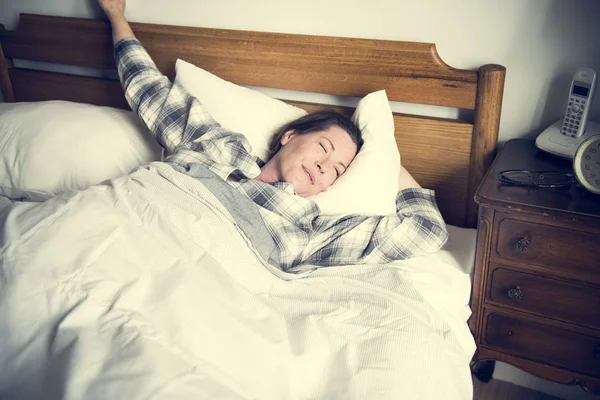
[{"x": 580, "y": 96}]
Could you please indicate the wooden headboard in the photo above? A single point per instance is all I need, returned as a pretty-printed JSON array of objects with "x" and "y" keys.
[{"x": 449, "y": 156}]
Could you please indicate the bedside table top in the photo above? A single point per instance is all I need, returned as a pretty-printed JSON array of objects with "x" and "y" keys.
[{"x": 522, "y": 154}]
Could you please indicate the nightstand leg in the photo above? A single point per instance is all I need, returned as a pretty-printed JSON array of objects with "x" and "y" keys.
[
  {"x": 483, "y": 370},
  {"x": 591, "y": 387}
]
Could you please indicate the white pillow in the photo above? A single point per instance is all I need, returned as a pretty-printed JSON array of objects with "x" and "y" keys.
[
  {"x": 48, "y": 147},
  {"x": 237, "y": 108},
  {"x": 371, "y": 183}
]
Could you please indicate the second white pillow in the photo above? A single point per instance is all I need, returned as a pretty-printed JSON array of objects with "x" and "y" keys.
[
  {"x": 371, "y": 183},
  {"x": 48, "y": 147}
]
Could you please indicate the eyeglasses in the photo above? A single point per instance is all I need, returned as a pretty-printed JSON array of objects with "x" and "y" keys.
[{"x": 541, "y": 179}]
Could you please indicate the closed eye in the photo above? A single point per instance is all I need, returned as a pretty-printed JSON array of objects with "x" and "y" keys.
[{"x": 323, "y": 147}]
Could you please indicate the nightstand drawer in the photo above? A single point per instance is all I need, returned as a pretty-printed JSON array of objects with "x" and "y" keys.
[
  {"x": 548, "y": 246},
  {"x": 545, "y": 344},
  {"x": 548, "y": 297}
]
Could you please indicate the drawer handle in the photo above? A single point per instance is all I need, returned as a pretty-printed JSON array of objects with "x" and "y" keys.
[
  {"x": 597, "y": 353},
  {"x": 522, "y": 244},
  {"x": 515, "y": 293}
]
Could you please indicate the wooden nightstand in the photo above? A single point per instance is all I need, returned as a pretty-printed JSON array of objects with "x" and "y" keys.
[{"x": 536, "y": 284}]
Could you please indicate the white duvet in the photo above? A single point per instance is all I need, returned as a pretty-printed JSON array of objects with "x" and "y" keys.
[{"x": 144, "y": 288}]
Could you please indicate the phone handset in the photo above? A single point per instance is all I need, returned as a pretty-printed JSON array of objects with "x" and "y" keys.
[{"x": 580, "y": 96}]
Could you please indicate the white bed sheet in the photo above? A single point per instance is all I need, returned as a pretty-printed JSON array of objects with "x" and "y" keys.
[
  {"x": 151, "y": 306},
  {"x": 444, "y": 279}
]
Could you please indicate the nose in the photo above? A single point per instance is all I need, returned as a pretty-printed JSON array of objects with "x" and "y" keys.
[{"x": 322, "y": 166}]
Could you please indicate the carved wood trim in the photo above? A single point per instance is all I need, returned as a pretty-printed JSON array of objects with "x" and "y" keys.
[{"x": 484, "y": 238}]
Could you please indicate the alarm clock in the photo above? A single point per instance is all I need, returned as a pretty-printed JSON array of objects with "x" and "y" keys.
[{"x": 586, "y": 164}]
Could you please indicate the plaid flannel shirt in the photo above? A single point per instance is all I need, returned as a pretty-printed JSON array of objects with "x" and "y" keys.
[{"x": 190, "y": 135}]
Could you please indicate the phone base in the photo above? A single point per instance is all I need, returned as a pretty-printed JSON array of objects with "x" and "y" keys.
[{"x": 554, "y": 142}]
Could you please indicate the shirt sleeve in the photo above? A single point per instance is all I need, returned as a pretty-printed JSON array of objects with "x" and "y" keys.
[
  {"x": 174, "y": 117},
  {"x": 416, "y": 229}
]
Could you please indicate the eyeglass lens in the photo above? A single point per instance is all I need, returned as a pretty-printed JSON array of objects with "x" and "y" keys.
[{"x": 539, "y": 178}]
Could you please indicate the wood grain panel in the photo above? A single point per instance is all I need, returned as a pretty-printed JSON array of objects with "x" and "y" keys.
[
  {"x": 543, "y": 343},
  {"x": 545, "y": 245},
  {"x": 437, "y": 153},
  {"x": 31, "y": 85},
  {"x": 535, "y": 294},
  {"x": 410, "y": 72}
]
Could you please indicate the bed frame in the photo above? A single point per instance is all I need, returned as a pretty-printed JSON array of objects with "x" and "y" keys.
[{"x": 449, "y": 156}]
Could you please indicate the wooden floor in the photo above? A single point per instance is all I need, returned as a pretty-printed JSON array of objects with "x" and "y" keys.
[{"x": 499, "y": 390}]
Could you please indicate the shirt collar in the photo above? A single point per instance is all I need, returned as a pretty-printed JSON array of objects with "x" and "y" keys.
[{"x": 285, "y": 186}]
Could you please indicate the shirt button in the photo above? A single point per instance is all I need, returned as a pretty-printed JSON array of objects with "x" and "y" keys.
[{"x": 406, "y": 215}]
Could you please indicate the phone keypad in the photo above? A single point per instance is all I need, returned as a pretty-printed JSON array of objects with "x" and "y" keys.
[{"x": 572, "y": 119}]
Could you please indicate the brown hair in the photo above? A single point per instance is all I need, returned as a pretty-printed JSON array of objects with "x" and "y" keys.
[{"x": 315, "y": 122}]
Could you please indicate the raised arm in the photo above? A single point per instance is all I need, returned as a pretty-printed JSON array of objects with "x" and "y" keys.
[
  {"x": 174, "y": 117},
  {"x": 147, "y": 90}
]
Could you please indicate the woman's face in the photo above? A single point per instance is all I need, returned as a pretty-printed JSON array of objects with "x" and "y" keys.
[{"x": 313, "y": 161}]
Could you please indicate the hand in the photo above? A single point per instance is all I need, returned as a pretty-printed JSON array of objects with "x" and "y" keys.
[{"x": 113, "y": 8}]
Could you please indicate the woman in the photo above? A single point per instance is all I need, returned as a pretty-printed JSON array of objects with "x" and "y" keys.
[{"x": 308, "y": 155}]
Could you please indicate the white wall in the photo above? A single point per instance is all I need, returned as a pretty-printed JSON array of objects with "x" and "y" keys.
[{"x": 541, "y": 43}]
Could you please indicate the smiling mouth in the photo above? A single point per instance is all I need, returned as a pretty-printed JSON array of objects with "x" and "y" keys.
[{"x": 310, "y": 177}]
